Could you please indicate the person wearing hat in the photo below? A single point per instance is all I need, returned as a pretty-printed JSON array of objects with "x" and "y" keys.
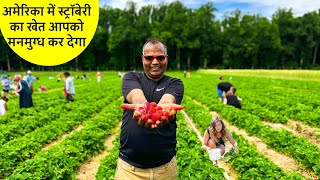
[
  {"x": 30, "y": 79},
  {"x": 23, "y": 91},
  {"x": 6, "y": 85}
]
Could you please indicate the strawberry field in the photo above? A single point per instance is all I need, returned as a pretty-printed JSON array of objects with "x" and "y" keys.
[{"x": 277, "y": 129}]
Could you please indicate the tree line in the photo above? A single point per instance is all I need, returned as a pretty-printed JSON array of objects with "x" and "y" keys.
[{"x": 195, "y": 39}]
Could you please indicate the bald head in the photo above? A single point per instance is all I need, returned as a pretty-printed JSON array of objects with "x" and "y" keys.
[{"x": 155, "y": 45}]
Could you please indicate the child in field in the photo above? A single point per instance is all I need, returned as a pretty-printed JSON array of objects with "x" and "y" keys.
[
  {"x": 231, "y": 99},
  {"x": 3, "y": 105},
  {"x": 99, "y": 75},
  {"x": 6, "y": 85},
  {"x": 215, "y": 136}
]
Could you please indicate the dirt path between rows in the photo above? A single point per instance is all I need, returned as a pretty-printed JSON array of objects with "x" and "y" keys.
[
  {"x": 229, "y": 173},
  {"x": 284, "y": 162},
  {"x": 299, "y": 129},
  {"x": 88, "y": 170},
  {"x": 46, "y": 147}
]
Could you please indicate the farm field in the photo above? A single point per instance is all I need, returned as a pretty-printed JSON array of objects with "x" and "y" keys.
[{"x": 277, "y": 129}]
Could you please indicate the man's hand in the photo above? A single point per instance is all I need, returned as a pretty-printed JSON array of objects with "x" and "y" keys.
[{"x": 151, "y": 114}]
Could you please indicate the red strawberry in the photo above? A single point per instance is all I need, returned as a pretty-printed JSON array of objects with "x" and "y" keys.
[
  {"x": 159, "y": 112},
  {"x": 177, "y": 108},
  {"x": 155, "y": 117},
  {"x": 165, "y": 114},
  {"x": 127, "y": 106},
  {"x": 153, "y": 105},
  {"x": 147, "y": 105},
  {"x": 145, "y": 117},
  {"x": 142, "y": 110},
  {"x": 165, "y": 119}
]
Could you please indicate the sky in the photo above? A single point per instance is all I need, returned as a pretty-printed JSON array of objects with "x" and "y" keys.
[{"x": 263, "y": 7}]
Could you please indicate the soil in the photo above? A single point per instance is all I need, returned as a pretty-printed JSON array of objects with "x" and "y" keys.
[
  {"x": 299, "y": 129},
  {"x": 229, "y": 173},
  {"x": 46, "y": 147},
  {"x": 284, "y": 162},
  {"x": 89, "y": 169}
]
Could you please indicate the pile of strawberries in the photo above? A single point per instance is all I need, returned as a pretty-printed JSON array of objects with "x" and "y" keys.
[{"x": 154, "y": 114}]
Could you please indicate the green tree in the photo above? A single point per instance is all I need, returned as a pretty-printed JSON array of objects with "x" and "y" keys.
[{"x": 287, "y": 32}]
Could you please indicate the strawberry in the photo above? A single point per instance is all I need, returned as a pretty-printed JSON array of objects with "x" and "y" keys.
[
  {"x": 178, "y": 108},
  {"x": 159, "y": 112},
  {"x": 142, "y": 110},
  {"x": 127, "y": 106},
  {"x": 147, "y": 105},
  {"x": 159, "y": 108},
  {"x": 164, "y": 119},
  {"x": 145, "y": 117},
  {"x": 165, "y": 114},
  {"x": 155, "y": 117},
  {"x": 153, "y": 105}
]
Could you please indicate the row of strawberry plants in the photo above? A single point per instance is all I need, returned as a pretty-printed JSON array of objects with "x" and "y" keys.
[
  {"x": 44, "y": 100},
  {"x": 41, "y": 103},
  {"x": 20, "y": 149},
  {"x": 279, "y": 86},
  {"x": 276, "y": 96},
  {"x": 19, "y": 128},
  {"x": 274, "y": 104},
  {"x": 264, "y": 98},
  {"x": 282, "y": 107},
  {"x": 282, "y": 141},
  {"x": 192, "y": 161},
  {"x": 248, "y": 163},
  {"x": 262, "y": 112},
  {"x": 108, "y": 165},
  {"x": 62, "y": 161}
]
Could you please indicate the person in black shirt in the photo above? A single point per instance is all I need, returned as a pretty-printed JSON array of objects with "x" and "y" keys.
[
  {"x": 223, "y": 87},
  {"x": 232, "y": 99},
  {"x": 147, "y": 151}
]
